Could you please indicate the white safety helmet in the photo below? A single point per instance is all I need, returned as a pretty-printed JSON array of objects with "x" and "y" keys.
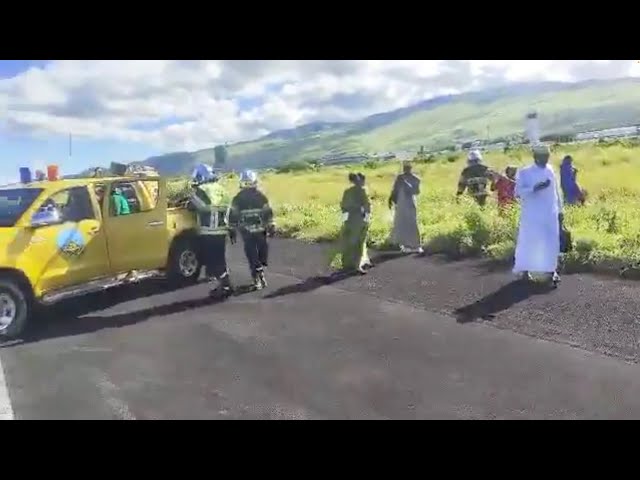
[
  {"x": 248, "y": 179},
  {"x": 474, "y": 157},
  {"x": 203, "y": 173}
]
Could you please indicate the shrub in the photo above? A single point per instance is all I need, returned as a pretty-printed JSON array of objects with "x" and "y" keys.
[{"x": 605, "y": 231}]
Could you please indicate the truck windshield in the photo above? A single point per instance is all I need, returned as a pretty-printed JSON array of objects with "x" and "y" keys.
[{"x": 14, "y": 202}]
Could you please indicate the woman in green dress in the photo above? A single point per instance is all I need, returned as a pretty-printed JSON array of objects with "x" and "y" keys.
[{"x": 356, "y": 210}]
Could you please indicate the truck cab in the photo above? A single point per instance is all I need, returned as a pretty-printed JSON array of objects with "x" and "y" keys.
[{"x": 64, "y": 238}]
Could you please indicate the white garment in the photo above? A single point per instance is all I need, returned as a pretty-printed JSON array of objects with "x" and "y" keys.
[
  {"x": 405, "y": 231},
  {"x": 538, "y": 245},
  {"x": 532, "y": 129}
]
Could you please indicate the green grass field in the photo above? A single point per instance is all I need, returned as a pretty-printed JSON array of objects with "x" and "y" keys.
[{"x": 606, "y": 231}]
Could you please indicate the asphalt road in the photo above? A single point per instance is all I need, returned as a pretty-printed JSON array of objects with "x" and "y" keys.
[{"x": 416, "y": 338}]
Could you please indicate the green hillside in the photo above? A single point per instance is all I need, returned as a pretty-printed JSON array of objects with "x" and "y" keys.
[{"x": 437, "y": 123}]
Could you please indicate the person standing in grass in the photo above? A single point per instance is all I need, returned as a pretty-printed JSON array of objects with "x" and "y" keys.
[
  {"x": 474, "y": 178},
  {"x": 538, "y": 243},
  {"x": 573, "y": 194},
  {"x": 505, "y": 185},
  {"x": 403, "y": 200},
  {"x": 356, "y": 211}
]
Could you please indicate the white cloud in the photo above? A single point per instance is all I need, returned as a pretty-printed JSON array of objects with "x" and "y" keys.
[{"x": 190, "y": 104}]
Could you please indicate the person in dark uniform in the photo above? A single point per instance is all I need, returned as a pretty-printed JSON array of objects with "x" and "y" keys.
[
  {"x": 211, "y": 202},
  {"x": 253, "y": 216},
  {"x": 474, "y": 178}
]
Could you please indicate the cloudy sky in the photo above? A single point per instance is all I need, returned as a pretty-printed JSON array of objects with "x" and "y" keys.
[{"x": 124, "y": 110}]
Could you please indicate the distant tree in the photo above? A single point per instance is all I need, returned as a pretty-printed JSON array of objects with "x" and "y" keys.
[
  {"x": 558, "y": 138},
  {"x": 293, "y": 166}
]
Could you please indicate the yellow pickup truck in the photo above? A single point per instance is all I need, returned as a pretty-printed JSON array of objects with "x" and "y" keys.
[{"x": 64, "y": 238}]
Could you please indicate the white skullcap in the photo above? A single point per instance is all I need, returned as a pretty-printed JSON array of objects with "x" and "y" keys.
[{"x": 541, "y": 149}]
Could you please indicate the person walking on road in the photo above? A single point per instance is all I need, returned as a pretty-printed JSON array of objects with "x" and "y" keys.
[
  {"x": 211, "y": 202},
  {"x": 538, "y": 243},
  {"x": 403, "y": 201},
  {"x": 356, "y": 212},
  {"x": 253, "y": 216},
  {"x": 474, "y": 178}
]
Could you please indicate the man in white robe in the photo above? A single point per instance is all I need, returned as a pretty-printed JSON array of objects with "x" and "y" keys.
[
  {"x": 538, "y": 244},
  {"x": 403, "y": 200}
]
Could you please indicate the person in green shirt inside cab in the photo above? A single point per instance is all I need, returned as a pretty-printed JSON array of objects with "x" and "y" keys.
[{"x": 119, "y": 203}]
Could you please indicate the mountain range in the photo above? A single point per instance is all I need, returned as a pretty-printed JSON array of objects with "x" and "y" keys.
[{"x": 564, "y": 108}]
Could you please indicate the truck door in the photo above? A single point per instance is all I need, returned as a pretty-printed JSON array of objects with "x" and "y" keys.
[
  {"x": 74, "y": 251},
  {"x": 138, "y": 240}
]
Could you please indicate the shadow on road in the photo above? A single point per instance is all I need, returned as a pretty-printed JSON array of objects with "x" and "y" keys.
[
  {"x": 499, "y": 301},
  {"x": 313, "y": 283},
  {"x": 487, "y": 265},
  {"x": 77, "y": 317}
]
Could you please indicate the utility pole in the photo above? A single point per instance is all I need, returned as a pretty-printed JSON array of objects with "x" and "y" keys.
[{"x": 70, "y": 149}]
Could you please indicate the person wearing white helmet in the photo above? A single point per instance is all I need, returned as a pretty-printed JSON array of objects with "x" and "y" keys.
[
  {"x": 253, "y": 216},
  {"x": 538, "y": 243},
  {"x": 474, "y": 178},
  {"x": 212, "y": 204}
]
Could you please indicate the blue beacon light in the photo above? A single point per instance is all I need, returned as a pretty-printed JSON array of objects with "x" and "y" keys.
[{"x": 25, "y": 175}]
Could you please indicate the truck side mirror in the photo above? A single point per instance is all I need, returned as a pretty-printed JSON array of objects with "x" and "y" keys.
[{"x": 46, "y": 216}]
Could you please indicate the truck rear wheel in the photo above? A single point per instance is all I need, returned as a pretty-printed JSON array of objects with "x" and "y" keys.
[
  {"x": 15, "y": 309},
  {"x": 184, "y": 262}
]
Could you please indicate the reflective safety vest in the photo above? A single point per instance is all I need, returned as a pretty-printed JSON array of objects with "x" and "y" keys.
[
  {"x": 213, "y": 206},
  {"x": 252, "y": 220},
  {"x": 475, "y": 178},
  {"x": 215, "y": 222}
]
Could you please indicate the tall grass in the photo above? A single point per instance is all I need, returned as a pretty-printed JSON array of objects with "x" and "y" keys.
[{"x": 606, "y": 231}]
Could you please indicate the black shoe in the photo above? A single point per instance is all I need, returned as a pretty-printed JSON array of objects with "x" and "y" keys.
[
  {"x": 221, "y": 292},
  {"x": 262, "y": 280},
  {"x": 525, "y": 277},
  {"x": 259, "y": 280},
  {"x": 222, "y": 287},
  {"x": 257, "y": 284}
]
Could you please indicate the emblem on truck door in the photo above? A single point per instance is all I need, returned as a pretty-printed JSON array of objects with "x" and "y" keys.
[{"x": 71, "y": 242}]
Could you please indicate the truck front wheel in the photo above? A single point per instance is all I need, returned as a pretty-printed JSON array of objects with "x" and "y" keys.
[
  {"x": 184, "y": 262},
  {"x": 15, "y": 309}
]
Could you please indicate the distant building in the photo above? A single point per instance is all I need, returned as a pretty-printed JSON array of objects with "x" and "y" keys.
[
  {"x": 343, "y": 158},
  {"x": 609, "y": 133},
  {"x": 384, "y": 156}
]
